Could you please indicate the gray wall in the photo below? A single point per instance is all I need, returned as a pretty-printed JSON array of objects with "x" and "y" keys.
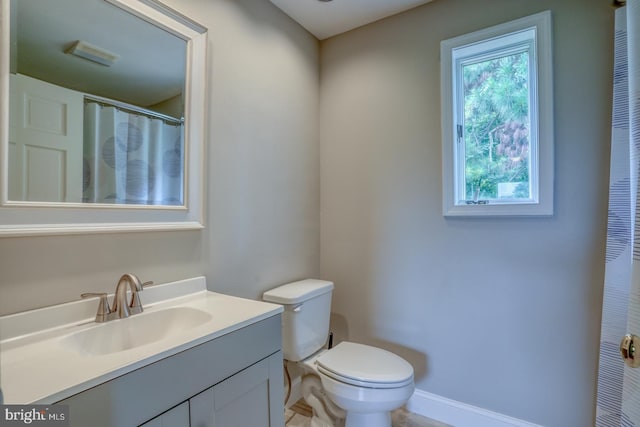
[
  {"x": 501, "y": 313},
  {"x": 262, "y": 178}
]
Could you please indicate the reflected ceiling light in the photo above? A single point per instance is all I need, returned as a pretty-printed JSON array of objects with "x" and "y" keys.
[{"x": 92, "y": 53}]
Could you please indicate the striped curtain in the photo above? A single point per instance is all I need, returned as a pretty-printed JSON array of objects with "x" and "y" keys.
[{"x": 618, "y": 402}]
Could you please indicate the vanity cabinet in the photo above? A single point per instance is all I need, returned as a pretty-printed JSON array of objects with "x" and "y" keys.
[
  {"x": 176, "y": 417},
  {"x": 240, "y": 401},
  {"x": 235, "y": 380}
]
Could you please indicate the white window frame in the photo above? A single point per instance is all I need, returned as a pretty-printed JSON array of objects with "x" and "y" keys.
[{"x": 532, "y": 33}]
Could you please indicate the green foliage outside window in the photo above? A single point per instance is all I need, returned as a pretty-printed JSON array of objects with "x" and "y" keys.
[{"x": 496, "y": 127}]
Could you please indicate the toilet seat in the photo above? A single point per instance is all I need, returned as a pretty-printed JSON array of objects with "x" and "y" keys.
[{"x": 365, "y": 366}]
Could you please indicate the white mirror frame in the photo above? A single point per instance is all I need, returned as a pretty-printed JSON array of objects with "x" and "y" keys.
[{"x": 19, "y": 218}]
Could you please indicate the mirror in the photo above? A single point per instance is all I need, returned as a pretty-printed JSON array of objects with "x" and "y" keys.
[
  {"x": 83, "y": 125},
  {"x": 102, "y": 114}
]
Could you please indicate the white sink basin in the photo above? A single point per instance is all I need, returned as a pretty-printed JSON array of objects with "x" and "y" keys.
[{"x": 135, "y": 331}]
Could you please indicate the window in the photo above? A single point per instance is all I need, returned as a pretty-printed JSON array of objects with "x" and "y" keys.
[{"x": 497, "y": 120}]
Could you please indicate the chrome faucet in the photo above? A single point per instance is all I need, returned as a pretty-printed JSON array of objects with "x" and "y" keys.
[
  {"x": 121, "y": 309},
  {"x": 120, "y": 298}
]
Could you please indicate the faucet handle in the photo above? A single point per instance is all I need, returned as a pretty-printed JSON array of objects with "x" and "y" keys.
[
  {"x": 135, "y": 306},
  {"x": 147, "y": 284},
  {"x": 103, "y": 306}
]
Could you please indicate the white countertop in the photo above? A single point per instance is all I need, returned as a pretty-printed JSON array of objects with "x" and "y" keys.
[{"x": 37, "y": 368}]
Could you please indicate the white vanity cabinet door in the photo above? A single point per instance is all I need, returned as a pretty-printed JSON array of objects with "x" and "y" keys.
[
  {"x": 241, "y": 400},
  {"x": 176, "y": 417}
]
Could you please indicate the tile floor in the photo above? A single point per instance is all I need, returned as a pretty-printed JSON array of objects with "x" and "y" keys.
[{"x": 299, "y": 415}]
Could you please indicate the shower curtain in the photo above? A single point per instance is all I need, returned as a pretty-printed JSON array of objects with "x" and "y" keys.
[
  {"x": 131, "y": 158},
  {"x": 618, "y": 400}
]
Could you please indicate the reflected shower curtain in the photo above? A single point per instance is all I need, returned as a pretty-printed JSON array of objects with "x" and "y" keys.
[
  {"x": 131, "y": 158},
  {"x": 618, "y": 402}
]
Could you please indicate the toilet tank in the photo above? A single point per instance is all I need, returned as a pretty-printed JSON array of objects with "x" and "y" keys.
[{"x": 305, "y": 321}]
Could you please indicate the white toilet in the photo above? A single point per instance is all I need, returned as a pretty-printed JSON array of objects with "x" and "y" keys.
[{"x": 366, "y": 382}]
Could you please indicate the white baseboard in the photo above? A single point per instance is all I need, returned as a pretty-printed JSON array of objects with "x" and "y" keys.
[{"x": 459, "y": 414}]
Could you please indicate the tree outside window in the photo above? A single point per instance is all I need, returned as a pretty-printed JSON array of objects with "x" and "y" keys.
[{"x": 496, "y": 128}]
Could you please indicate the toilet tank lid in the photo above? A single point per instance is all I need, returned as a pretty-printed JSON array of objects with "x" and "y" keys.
[{"x": 297, "y": 292}]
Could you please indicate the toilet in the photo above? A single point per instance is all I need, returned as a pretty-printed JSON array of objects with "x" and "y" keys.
[{"x": 359, "y": 382}]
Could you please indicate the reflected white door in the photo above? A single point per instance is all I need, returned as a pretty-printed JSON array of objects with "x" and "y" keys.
[{"x": 45, "y": 141}]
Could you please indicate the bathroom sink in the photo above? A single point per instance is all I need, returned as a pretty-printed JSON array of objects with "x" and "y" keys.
[
  {"x": 135, "y": 331},
  {"x": 177, "y": 317}
]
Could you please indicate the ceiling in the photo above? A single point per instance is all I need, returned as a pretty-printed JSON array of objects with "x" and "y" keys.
[
  {"x": 325, "y": 19},
  {"x": 41, "y": 33}
]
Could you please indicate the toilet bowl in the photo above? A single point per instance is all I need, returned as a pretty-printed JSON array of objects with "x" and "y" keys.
[{"x": 366, "y": 382}]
